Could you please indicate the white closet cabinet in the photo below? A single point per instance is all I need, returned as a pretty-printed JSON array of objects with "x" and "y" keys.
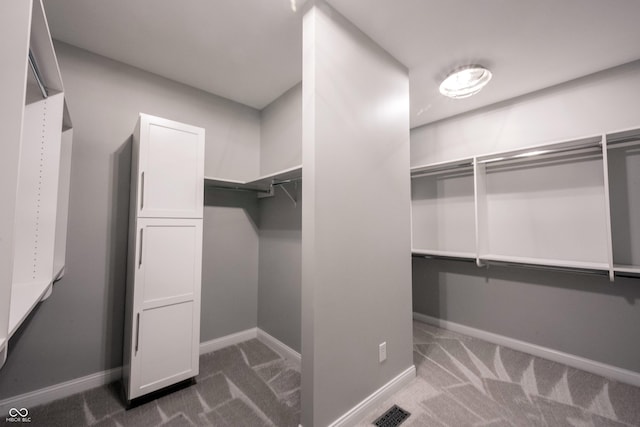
[{"x": 165, "y": 255}]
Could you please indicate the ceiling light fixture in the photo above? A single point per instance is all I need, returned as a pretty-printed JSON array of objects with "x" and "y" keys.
[{"x": 465, "y": 81}]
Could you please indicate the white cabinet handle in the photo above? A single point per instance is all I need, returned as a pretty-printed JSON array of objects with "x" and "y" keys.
[
  {"x": 141, "y": 241},
  {"x": 137, "y": 331},
  {"x": 142, "y": 191}
]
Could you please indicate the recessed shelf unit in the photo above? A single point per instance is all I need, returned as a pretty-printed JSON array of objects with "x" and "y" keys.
[
  {"x": 442, "y": 215},
  {"x": 42, "y": 194},
  {"x": 570, "y": 205},
  {"x": 623, "y": 151}
]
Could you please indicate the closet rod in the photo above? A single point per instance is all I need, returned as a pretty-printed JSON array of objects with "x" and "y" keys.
[
  {"x": 534, "y": 152},
  {"x": 36, "y": 74},
  {"x": 624, "y": 144},
  {"x": 445, "y": 257},
  {"x": 546, "y": 267},
  {"x": 441, "y": 169},
  {"x": 251, "y": 190},
  {"x": 488, "y": 263},
  {"x": 463, "y": 170}
]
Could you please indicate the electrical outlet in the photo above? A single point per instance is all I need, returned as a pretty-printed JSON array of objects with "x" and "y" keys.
[{"x": 382, "y": 352}]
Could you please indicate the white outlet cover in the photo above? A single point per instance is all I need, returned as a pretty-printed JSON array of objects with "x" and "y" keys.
[{"x": 382, "y": 352}]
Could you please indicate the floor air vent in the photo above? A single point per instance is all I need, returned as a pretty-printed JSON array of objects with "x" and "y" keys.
[{"x": 393, "y": 417}]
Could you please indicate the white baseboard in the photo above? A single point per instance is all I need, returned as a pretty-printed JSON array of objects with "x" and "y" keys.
[
  {"x": 59, "y": 391},
  {"x": 279, "y": 347},
  {"x": 79, "y": 385},
  {"x": 598, "y": 368},
  {"x": 227, "y": 340},
  {"x": 358, "y": 412}
]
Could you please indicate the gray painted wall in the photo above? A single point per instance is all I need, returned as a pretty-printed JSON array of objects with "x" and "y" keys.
[
  {"x": 281, "y": 222},
  {"x": 590, "y": 105},
  {"x": 230, "y": 263},
  {"x": 281, "y": 132},
  {"x": 582, "y": 315},
  {"x": 78, "y": 330},
  {"x": 356, "y": 290},
  {"x": 578, "y": 314},
  {"x": 280, "y": 274}
]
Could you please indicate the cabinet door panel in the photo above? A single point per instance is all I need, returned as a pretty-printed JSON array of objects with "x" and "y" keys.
[
  {"x": 165, "y": 349},
  {"x": 166, "y": 303},
  {"x": 172, "y": 169},
  {"x": 170, "y": 256}
]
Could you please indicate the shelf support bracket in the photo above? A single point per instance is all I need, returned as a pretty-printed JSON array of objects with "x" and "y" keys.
[{"x": 293, "y": 199}]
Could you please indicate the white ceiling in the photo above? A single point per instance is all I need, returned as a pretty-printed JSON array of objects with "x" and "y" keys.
[
  {"x": 250, "y": 50},
  {"x": 246, "y": 50}
]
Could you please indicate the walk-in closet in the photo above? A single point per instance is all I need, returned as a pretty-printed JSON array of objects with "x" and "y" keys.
[{"x": 320, "y": 213}]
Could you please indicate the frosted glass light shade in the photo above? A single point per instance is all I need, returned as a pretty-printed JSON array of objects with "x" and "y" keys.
[{"x": 465, "y": 81}]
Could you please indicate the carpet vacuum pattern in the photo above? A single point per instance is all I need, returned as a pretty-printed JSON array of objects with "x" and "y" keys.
[
  {"x": 242, "y": 385},
  {"x": 463, "y": 381}
]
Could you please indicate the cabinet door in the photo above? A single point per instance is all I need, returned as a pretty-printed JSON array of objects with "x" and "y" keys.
[
  {"x": 166, "y": 317},
  {"x": 171, "y": 172}
]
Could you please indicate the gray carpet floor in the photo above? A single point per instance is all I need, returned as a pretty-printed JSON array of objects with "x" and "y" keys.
[
  {"x": 242, "y": 385},
  {"x": 463, "y": 381}
]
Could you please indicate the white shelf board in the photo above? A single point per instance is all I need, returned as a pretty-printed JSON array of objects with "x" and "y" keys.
[
  {"x": 623, "y": 136},
  {"x": 621, "y": 268},
  {"x": 444, "y": 254},
  {"x": 224, "y": 183},
  {"x": 261, "y": 183},
  {"x": 580, "y": 265},
  {"x": 283, "y": 175},
  {"x": 569, "y": 144},
  {"x": 24, "y": 297}
]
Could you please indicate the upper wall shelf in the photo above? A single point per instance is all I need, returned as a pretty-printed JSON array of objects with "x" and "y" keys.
[
  {"x": 261, "y": 184},
  {"x": 569, "y": 204},
  {"x": 529, "y": 152},
  {"x": 627, "y": 270},
  {"x": 601, "y": 267},
  {"x": 617, "y": 138},
  {"x": 471, "y": 256}
]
